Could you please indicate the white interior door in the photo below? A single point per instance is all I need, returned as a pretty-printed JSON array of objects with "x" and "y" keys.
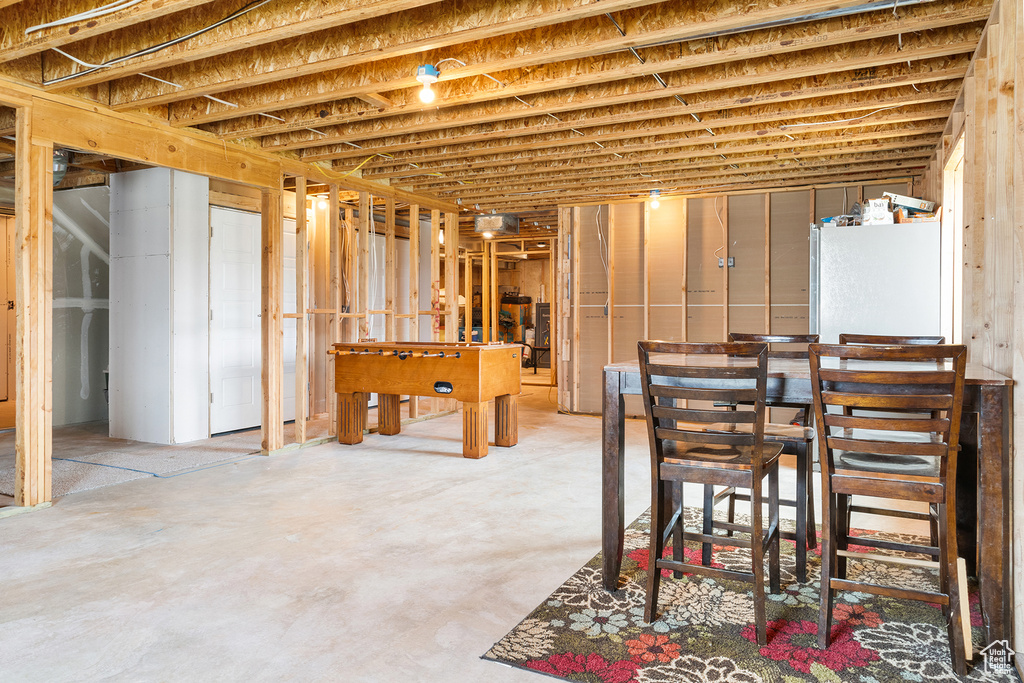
[{"x": 235, "y": 346}]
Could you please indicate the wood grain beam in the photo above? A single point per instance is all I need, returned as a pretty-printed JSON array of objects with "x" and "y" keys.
[
  {"x": 33, "y": 302},
  {"x": 251, "y": 34},
  {"x": 490, "y": 52},
  {"x": 671, "y": 146},
  {"x": 524, "y": 179},
  {"x": 430, "y": 30},
  {"x": 15, "y": 43},
  {"x": 879, "y": 173},
  {"x": 730, "y": 168},
  {"x": 762, "y": 121},
  {"x": 711, "y": 105},
  {"x": 538, "y": 85}
]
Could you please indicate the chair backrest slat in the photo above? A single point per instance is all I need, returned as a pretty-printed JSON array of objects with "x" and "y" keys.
[
  {"x": 895, "y": 400},
  {"x": 731, "y": 373},
  {"x": 923, "y": 426},
  {"x": 890, "y": 340}
]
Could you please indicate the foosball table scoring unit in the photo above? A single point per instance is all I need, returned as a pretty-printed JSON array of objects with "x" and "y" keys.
[{"x": 472, "y": 373}]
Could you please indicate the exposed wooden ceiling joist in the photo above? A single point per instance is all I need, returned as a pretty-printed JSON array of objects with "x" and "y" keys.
[
  {"x": 540, "y": 103},
  {"x": 323, "y": 81},
  {"x": 581, "y": 73}
]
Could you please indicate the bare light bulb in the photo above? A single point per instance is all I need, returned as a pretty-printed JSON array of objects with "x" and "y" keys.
[
  {"x": 426, "y": 95},
  {"x": 440, "y": 236},
  {"x": 322, "y": 204},
  {"x": 655, "y": 203}
]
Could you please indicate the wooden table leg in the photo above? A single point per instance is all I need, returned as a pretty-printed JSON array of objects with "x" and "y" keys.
[
  {"x": 994, "y": 580},
  {"x": 506, "y": 420},
  {"x": 474, "y": 429},
  {"x": 351, "y": 417},
  {"x": 389, "y": 414},
  {"x": 612, "y": 477}
]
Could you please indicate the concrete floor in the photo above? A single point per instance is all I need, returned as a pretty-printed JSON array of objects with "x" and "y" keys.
[{"x": 393, "y": 560}]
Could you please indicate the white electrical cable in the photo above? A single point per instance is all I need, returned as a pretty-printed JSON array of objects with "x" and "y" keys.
[
  {"x": 825, "y": 123},
  {"x": 155, "y": 48},
  {"x": 109, "y": 8}
]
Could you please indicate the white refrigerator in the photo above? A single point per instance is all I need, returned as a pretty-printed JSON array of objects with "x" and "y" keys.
[{"x": 878, "y": 279}]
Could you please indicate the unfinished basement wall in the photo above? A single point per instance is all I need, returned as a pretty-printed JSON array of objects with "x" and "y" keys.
[
  {"x": 989, "y": 119},
  {"x": 81, "y": 304},
  {"x": 631, "y": 272}
]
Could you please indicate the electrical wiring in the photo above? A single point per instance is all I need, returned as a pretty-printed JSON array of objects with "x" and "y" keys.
[
  {"x": 825, "y": 123},
  {"x": 603, "y": 251},
  {"x": 109, "y": 8},
  {"x": 156, "y": 48}
]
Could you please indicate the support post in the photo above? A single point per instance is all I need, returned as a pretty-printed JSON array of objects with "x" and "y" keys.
[
  {"x": 302, "y": 318},
  {"x": 414, "y": 289},
  {"x": 451, "y": 276},
  {"x": 390, "y": 271},
  {"x": 272, "y": 318},
  {"x": 33, "y": 228}
]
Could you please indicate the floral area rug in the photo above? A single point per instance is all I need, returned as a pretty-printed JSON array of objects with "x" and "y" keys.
[{"x": 705, "y": 632}]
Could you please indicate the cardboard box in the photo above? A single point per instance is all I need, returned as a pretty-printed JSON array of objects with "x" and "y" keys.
[{"x": 910, "y": 202}]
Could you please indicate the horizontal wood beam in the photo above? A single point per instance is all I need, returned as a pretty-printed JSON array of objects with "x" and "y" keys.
[
  {"x": 539, "y": 86},
  {"x": 426, "y": 33},
  {"x": 588, "y": 36}
]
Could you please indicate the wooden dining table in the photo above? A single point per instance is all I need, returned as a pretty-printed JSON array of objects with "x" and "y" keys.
[{"x": 983, "y": 475}]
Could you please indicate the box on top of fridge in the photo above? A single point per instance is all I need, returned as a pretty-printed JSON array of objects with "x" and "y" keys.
[{"x": 911, "y": 203}]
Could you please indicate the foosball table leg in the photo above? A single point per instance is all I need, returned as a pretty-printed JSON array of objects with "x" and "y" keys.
[
  {"x": 506, "y": 420},
  {"x": 389, "y": 414},
  {"x": 474, "y": 430},
  {"x": 351, "y": 417}
]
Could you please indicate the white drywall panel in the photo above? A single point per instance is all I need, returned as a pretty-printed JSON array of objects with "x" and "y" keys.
[{"x": 190, "y": 304}]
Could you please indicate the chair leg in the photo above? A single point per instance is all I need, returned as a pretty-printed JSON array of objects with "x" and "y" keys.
[
  {"x": 951, "y": 587},
  {"x": 731, "y": 511},
  {"x": 773, "y": 520},
  {"x": 841, "y": 519},
  {"x": 933, "y": 525},
  {"x": 677, "y": 528},
  {"x": 709, "y": 511},
  {"x": 654, "y": 552},
  {"x": 757, "y": 562},
  {"x": 828, "y": 559},
  {"x": 802, "y": 503}
]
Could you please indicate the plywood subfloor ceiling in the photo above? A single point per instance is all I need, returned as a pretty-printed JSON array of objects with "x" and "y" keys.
[{"x": 540, "y": 102}]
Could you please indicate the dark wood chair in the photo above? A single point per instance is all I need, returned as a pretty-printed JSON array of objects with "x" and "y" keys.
[
  {"x": 894, "y": 340},
  {"x": 796, "y": 439},
  {"x": 688, "y": 445},
  {"x": 892, "y": 446}
]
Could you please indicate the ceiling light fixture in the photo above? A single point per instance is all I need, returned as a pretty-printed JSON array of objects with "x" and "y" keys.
[
  {"x": 440, "y": 236},
  {"x": 427, "y": 74},
  {"x": 322, "y": 204},
  {"x": 655, "y": 195},
  {"x": 487, "y": 235}
]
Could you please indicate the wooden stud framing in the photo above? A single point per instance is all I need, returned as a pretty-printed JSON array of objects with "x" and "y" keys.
[
  {"x": 486, "y": 294},
  {"x": 451, "y": 276},
  {"x": 577, "y": 220},
  {"x": 683, "y": 220},
  {"x": 390, "y": 271},
  {"x": 334, "y": 299},
  {"x": 646, "y": 270},
  {"x": 610, "y": 241},
  {"x": 467, "y": 285},
  {"x": 724, "y": 218},
  {"x": 33, "y": 305},
  {"x": 363, "y": 260},
  {"x": 414, "y": 289},
  {"x": 272, "y": 320},
  {"x": 767, "y": 262},
  {"x": 302, "y": 317},
  {"x": 435, "y": 274}
]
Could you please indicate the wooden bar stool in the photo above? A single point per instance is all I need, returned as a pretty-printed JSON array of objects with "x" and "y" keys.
[
  {"x": 683, "y": 448},
  {"x": 796, "y": 440},
  {"x": 888, "y": 420}
]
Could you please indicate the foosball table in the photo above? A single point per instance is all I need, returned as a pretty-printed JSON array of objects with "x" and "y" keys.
[{"x": 472, "y": 373}]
